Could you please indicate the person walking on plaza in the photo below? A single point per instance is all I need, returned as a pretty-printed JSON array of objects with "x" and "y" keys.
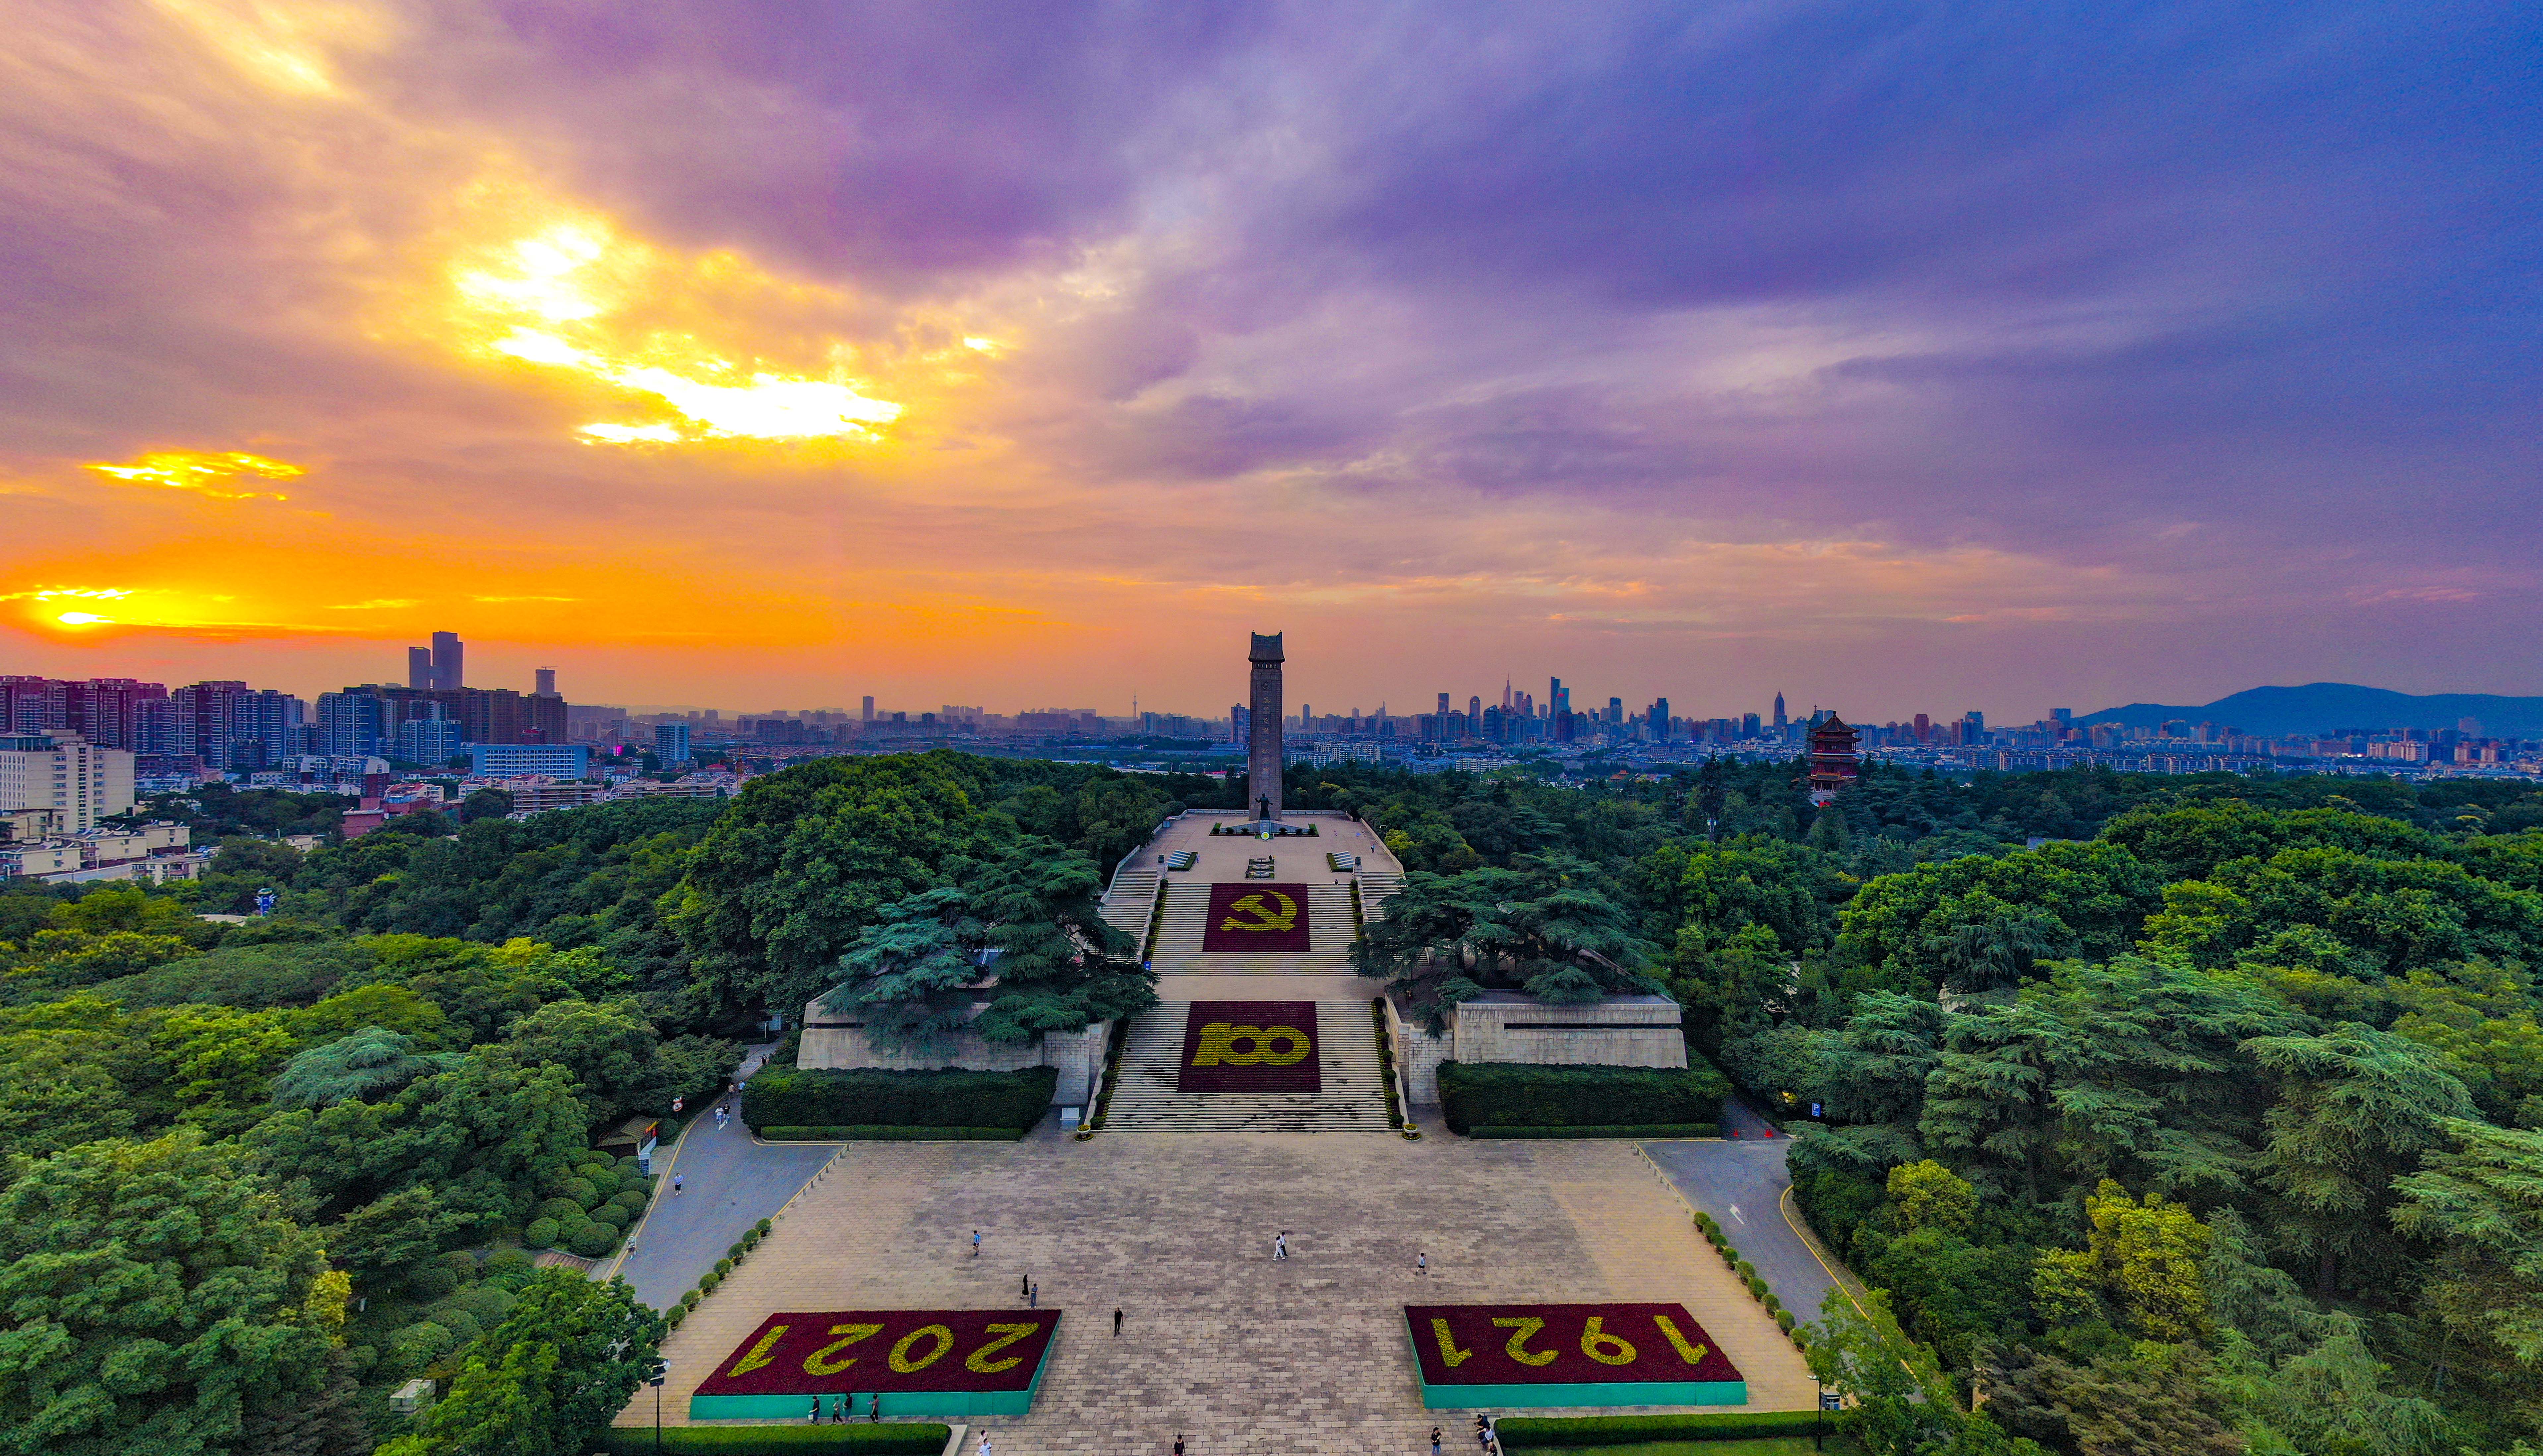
[
  {"x": 1179, "y": 1443},
  {"x": 1280, "y": 1247},
  {"x": 975, "y": 1243},
  {"x": 1117, "y": 1321},
  {"x": 1033, "y": 1297},
  {"x": 1422, "y": 1263},
  {"x": 874, "y": 1406},
  {"x": 1434, "y": 1441},
  {"x": 817, "y": 1409},
  {"x": 984, "y": 1443},
  {"x": 677, "y": 1180}
]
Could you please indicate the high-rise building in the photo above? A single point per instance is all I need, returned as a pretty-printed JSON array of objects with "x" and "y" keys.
[
  {"x": 1615, "y": 711},
  {"x": 1661, "y": 720},
  {"x": 1779, "y": 709},
  {"x": 512, "y": 761},
  {"x": 1474, "y": 713},
  {"x": 431, "y": 742},
  {"x": 448, "y": 662},
  {"x": 419, "y": 668},
  {"x": 351, "y": 724},
  {"x": 31, "y": 705},
  {"x": 869, "y": 708},
  {"x": 106, "y": 711},
  {"x": 1443, "y": 704},
  {"x": 60, "y": 771},
  {"x": 544, "y": 677},
  {"x": 671, "y": 744}
]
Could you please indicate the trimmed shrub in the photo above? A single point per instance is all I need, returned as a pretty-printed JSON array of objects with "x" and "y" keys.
[
  {"x": 1756, "y": 1286},
  {"x": 1521, "y": 1432},
  {"x": 762, "y": 1227},
  {"x": 594, "y": 1240},
  {"x": 463, "y": 1326},
  {"x": 562, "y": 1210},
  {"x": 1507, "y": 1095},
  {"x": 630, "y": 1199},
  {"x": 488, "y": 1303},
  {"x": 541, "y": 1234},
  {"x": 723, "y": 1267},
  {"x": 690, "y": 1299},
  {"x": 1784, "y": 1320},
  {"x": 604, "y": 1179},
  {"x": 708, "y": 1282},
  {"x": 1746, "y": 1271},
  {"x": 419, "y": 1344},
  {"x": 878, "y": 1132},
  {"x": 734, "y": 1254},
  {"x": 887, "y": 1439},
  {"x": 792, "y": 1098},
  {"x": 507, "y": 1261},
  {"x": 433, "y": 1282},
  {"x": 580, "y": 1190},
  {"x": 674, "y": 1315},
  {"x": 1627, "y": 1131},
  {"x": 613, "y": 1214}
]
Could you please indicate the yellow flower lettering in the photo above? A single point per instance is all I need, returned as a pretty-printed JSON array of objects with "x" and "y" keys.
[
  {"x": 901, "y": 1359},
  {"x": 760, "y": 1354},
  {"x": 1594, "y": 1338},
  {"x": 818, "y": 1362},
  {"x": 1218, "y": 1039},
  {"x": 1007, "y": 1335},
  {"x": 1693, "y": 1354},
  {"x": 1526, "y": 1327},
  {"x": 1448, "y": 1350}
]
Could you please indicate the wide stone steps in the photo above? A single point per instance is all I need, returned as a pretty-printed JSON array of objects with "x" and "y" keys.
[
  {"x": 1179, "y": 941},
  {"x": 1126, "y": 903},
  {"x": 1353, "y": 1098}
]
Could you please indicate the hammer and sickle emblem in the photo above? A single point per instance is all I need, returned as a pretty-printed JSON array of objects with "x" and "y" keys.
[
  {"x": 1218, "y": 1045},
  {"x": 1284, "y": 918}
]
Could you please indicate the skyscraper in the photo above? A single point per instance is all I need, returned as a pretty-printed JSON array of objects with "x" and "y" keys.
[
  {"x": 671, "y": 744},
  {"x": 447, "y": 673},
  {"x": 419, "y": 668},
  {"x": 869, "y": 708},
  {"x": 1779, "y": 709},
  {"x": 544, "y": 677},
  {"x": 1474, "y": 715}
]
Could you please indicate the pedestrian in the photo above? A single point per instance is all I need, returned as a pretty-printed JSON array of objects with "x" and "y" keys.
[
  {"x": 1179, "y": 1443},
  {"x": 1280, "y": 1246},
  {"x": 1033, "y": 1298},
  {"x": 1117, "y": 1323},
  {"x": 975, "y": 1243},
  {"x": 677, "y": 1180},
  {"x": 817, "y": 1409},
  {"x": 984, "y": 1443},
  {"x": 874, "y": 1406},
  {"x": 1434, "y": 1441},
  {"x": 1422, "y": 1263},
  {"x": 839, "y": 1412}
]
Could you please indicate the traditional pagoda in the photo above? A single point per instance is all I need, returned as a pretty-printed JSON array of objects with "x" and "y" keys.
[{"x": 1833, "y": 758}]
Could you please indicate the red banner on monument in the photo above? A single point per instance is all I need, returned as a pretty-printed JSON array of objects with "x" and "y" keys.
[
  {"x": 1251, "y": 916},
  {"x": 1563, "y": 1344},
  {"x": 1250, "y": 1046},
  {"x": 885, "y": 1350}
]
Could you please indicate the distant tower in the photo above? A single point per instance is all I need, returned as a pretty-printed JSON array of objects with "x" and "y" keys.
[
  {"x": 1834, "y": 759},
  {"x": 448, "y": 655},
  {"x": 419, "y": 668},
  {"x": 1779, "y": 709},
  {"x": 1262, "y": 738},
  {"x": 546, "y": 679}
]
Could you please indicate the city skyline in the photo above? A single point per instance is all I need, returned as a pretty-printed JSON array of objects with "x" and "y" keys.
[{"x": 1723, "y": 353}]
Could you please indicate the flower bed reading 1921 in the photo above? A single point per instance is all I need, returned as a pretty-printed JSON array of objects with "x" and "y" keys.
[
  {"x": 1250, "y": 1046},
  {"x": 922, "y": 1362},
  {"x": 1568, "y": 1354}
]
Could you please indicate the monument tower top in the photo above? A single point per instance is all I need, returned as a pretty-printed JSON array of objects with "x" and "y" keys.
[{"x": 1262, "y": 738}]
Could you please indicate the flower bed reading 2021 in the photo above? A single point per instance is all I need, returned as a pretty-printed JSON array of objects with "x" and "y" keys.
[
  {"x": 921, "y": 1361},
  {"x": 1568, "y": 1354},
  {"x": 1250, "y": 1046}
]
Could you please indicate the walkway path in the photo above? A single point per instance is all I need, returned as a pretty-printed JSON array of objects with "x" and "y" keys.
[
  {"x": 731, "y": 1183},
  {"x": 1742, "y": 1183}
]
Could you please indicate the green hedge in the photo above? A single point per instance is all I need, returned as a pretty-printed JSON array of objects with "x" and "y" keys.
[
  {"x": 1508, "y": 1095},
  {"x": 791, "y": 1097},
  {"x": 870, "y": 1133},
  {"x": 807, "y": 1439},
  {"x": 1518, "y": 1432},
  {"x": 1625, "y": 1130}
]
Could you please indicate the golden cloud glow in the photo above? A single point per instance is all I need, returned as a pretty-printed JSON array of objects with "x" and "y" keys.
[
  {"x": 205, "y": 473},
  {"x": 581, "y": 296},
  {"x": 377, "y": 604}
]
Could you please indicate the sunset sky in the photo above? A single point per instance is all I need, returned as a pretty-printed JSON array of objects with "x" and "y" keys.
[{"x": 1899, "y": 358}]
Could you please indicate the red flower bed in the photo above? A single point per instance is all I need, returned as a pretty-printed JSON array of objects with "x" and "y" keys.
[
  {"x": 887, "y": 1351},
  {"x": 1252, "y": 916},
  {"x": 1250, "y": 1046},
  {"x": 1563, "y": 1344}
]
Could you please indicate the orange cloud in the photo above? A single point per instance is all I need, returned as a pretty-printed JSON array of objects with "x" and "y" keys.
[{"x": 205, "y": 473}]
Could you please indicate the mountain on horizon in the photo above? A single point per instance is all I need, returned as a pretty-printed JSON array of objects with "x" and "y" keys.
[{"x": 2320, "y": 706}]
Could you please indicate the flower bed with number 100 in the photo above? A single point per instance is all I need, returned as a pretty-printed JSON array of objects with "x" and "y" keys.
[
  {"x": 920, "y": 1362},
  {"x": 1568, "y": 1354}
]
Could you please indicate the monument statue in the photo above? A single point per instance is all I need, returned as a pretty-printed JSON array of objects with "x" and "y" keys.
[{"x": 1262, "y": 736}]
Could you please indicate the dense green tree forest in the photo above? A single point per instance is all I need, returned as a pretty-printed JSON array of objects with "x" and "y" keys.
[{"x": 2167, "y": 1114}]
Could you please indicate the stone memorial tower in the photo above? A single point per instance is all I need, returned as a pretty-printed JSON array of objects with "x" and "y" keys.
[{"x": 1263, "y": 736}]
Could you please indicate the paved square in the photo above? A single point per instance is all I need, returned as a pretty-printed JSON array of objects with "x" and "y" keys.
[{"x": 1236, "y": 1352}]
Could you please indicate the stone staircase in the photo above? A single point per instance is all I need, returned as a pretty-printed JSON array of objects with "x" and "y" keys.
[
  {"x": 1329, "y": 937},
  {"x": 1126, "y": 902},
  {"x": 1353, "y": 1099}
]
